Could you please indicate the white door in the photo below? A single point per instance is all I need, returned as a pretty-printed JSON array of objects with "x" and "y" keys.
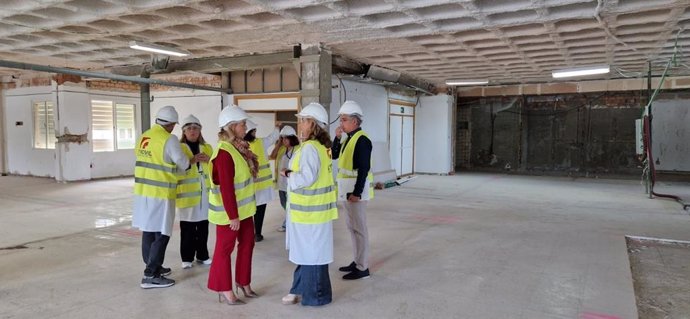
[
  {"x": 396, "y": 143},
  {"x": 407, "y": 145}
]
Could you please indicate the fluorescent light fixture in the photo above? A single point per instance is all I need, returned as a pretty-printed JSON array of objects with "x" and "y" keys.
[
  {"x": 157, "y": 48},
  {"x": 467, "y": 82},
  {"x": 566, "y": 73}
]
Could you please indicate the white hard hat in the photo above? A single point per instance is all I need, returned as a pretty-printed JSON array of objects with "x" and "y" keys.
[
  {"x": 315, "y": 111},
  {"x": 168, "y": 114},
  {"x": 191, "y": 119},
  {"x": 231, "y": 113},
  {"x": 251, "y": 125},
  {"x": 351, "y": 108},
  {"x": 287, "y": 130}
]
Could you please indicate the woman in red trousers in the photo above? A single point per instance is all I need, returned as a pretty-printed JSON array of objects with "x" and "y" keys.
[{"x": 232, "y": 206}]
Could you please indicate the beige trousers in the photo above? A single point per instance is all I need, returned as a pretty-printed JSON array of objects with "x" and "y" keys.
[{"x": 356, "y": 219}]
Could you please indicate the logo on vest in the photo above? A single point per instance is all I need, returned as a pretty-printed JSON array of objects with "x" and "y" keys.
[{"x": 144, "y": 142}]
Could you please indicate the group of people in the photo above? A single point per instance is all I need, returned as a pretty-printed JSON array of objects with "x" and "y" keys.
[{"x": 230, "y": 185}]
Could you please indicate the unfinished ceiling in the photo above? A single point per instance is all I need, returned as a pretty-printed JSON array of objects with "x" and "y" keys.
[{"x": 502, "y": 40}]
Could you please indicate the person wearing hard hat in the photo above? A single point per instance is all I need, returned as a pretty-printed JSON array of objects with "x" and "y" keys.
[
  {"x": 355, "y": 181},
  {"x": 282, "y": 153},
  {"x": 192, "y": 196},
  {"x": 311, "y": 210},
  {"x": 159, "y": 160},
  {"x": 264, "y": 181},
  {"x": 232, "y": 206}
]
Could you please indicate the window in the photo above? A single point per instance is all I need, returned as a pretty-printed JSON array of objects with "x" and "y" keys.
[
  {"x": 44, "y": 125},
  {"x": 113, "y": 126}
]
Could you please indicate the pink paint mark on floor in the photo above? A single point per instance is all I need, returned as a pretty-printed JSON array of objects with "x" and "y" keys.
[
  {"x": 591, "y": 315},
  {"x": 130, "y": 232},
  {"x": 436, "y": 219}
]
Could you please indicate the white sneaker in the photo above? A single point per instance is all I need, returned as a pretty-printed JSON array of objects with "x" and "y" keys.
[
  {"x": 290, "y": 299},
  {"x": 205, "y": 262},
  {"x": 187, "y": 265}
]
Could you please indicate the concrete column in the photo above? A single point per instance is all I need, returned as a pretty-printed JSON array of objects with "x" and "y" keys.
[
  {"x": 3, "y": 134},
  {"x": 145, "y": 93},
  {"x": 315, "y": 75}
]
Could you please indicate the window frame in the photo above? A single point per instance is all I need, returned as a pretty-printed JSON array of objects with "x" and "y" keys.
[
  {"x": 35, "y": 128},
  {"x": 114, "y": 131}
]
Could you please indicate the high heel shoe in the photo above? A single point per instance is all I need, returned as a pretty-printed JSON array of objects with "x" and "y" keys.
[
  {"x": 223, "y": 298},
  {"x": 246, "y": 292}
]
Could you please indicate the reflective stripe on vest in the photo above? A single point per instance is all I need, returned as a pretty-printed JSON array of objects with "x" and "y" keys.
[
  {"x": 315, "y": 204},
  {"x": 244, "y": 189},
  {"x": 153, "y": 177},
  {"x": 264, "y": 177},
  {"x": 189, "y": 184},
  {"x": 346, "y": 162}
]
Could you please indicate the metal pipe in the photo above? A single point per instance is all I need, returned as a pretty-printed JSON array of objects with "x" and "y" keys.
[{"x": 109, "y": 76}]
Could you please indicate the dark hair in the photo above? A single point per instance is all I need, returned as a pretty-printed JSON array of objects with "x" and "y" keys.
[
  {"x": 250, "y": 136},
  {"x": 294, "y": 141}
]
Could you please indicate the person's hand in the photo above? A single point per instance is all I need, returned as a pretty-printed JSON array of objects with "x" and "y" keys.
[
  {"x": 338, "y": 131},
  {"x": 235, "y": 224},
  {"x": 353, "y": 199},
  {"x": 201, "y": 157},
  {"x": 284, "y": 172}
]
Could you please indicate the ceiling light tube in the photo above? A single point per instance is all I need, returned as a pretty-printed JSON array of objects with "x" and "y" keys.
[
  {"x": 566, "y": 73},
  {"x": 155, "y": 48},
  {"x": 467, "y": 82}
]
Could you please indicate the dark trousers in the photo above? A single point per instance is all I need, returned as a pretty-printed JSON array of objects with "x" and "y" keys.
[
  {"x": 193, "y": 240},
  {"x": 283, "y": 202},
  {"x": 313, "y": 284},
  {"x": 153, "y": 247},
  {"x": 259, "y": 219}
]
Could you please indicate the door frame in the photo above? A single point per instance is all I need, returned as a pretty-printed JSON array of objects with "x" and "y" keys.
[{"x": 414, "y": 125}]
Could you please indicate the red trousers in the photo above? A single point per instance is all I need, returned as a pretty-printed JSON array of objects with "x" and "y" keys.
[{"x": 220, "y": 274}]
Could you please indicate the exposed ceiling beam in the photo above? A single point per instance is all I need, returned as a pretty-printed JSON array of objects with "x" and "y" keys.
[
  {"x": 104, "y": 75},
  {"x": 212, "y": 65}
]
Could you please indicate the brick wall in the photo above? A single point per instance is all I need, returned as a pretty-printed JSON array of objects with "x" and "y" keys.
[{"x": 572, "y": 133}]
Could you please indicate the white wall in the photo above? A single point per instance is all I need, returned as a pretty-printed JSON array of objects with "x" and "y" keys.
[
  {"x": 433, "y": 134},
  {"x": 120, "y": 162},
  {"x": 205, "y": 105},
  {"x": 374, "y": 102},
  {"x": 22, "y": 158},
  {"x": 671, "y": 135}
]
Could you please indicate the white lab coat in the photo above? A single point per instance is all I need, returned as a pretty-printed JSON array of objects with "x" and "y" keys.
[
  {"x": 264, "y": 196},
  {"x": 309, "y": 244},
  {"x": 155, "y": 214}
]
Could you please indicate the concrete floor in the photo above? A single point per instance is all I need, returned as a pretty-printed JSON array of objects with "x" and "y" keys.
[{"x": 466, "y": 246}]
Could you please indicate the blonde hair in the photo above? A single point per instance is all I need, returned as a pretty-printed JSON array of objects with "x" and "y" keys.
[
  {"x": 319, "y": 134},
  {"x": 226, "y": 134}
]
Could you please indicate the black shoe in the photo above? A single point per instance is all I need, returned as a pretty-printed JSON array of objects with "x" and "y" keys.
[
  {"x": 166, "y": 271},
  {"x": 349, "y": 268},
  {"x": 156, "y": 282},
  {"x": 258, "y": 238},
  {"x": 357, "y": 274}
]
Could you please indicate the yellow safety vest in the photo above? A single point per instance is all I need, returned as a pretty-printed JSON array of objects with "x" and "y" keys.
[
  {"x": 189, "y": 185},
  {"x": 263, "y": 178},
  {"x": 153, "y": 177},
  {"x": 279, "y": 157},
  {"x": 315, "y": 204},
  {"x": 244, "y": 188},
  {"x": 346, "y": 163}
]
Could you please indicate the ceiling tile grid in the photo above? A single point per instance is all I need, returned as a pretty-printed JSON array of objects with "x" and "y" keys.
[{"x": 502, "y": 40}]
